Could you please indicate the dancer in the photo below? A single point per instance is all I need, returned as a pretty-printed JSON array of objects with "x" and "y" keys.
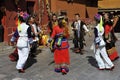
[
  {"x": 100, "y": 51},
  {"x": 35, "y": 32},
  {"x": 23, "y": 43},
  {"x": 61, "y": 52},
  {"x": 52, "y": 22},
  {"x": 110, "y": 38},
  {"x": 79, "y": 29}
]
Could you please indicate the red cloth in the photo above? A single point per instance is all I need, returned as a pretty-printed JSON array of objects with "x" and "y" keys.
[
  {"x": 56, "y": 30},
  {"x": 14, "y": 56},
  {"x": 60, "y": 55},
  {"x": 112, "y": 52},
  {"x": 114, "y": 56},
  {"x": 107, "y": 29}
]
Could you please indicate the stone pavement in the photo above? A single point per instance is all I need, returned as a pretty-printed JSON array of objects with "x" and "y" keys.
[
  {"x": 4, "y": 46},
  {"x": 83, "y": 67}
]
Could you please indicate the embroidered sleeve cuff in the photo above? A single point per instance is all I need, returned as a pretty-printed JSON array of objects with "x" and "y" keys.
[{"x": 97, "y": 40}]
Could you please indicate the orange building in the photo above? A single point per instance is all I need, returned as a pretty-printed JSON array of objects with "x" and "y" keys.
[
  {"x": 8, "y": 20},
  {"x": 109, "y": 5},
  {"x": 86, "y": 8}
]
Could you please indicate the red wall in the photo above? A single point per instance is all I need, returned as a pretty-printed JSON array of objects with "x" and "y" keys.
[
  {"x": 72, "y": 8},
  {"x": 56, "y": 6},
  {"x": 11, "y": 13},
  {"x": 9, "y": 19}
]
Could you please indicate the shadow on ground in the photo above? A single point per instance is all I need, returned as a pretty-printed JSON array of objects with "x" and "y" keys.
[
  {"x": 30, "y": 61},
  {"x": 92, "y": 61}
]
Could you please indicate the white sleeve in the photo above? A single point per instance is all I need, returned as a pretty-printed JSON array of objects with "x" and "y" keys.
[
  {"x": 34, "y": 27},
  {"x": 39, "y": 30},
  {"x": 85, "y": 28}
]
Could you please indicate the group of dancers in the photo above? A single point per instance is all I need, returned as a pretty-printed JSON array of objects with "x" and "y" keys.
[{"x": 104, "y": 41}]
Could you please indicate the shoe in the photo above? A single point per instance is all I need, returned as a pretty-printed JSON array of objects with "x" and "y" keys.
[
  {"x": 101, "y": 68},
  {"x": 58, "y": 70},
  {"x": 67, "y": 70},
  {"x": 77, "y": 51},
  {"x": 116, "y": 58},
  {"x": 64, "y": 71},
  {"x": 110, "y": 68},
  {"x": 21, "y": 70}
]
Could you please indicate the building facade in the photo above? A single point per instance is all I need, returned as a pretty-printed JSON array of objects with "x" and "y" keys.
[
  {"x": 109, "y": 5},
  {"x": 86, "y": 8}
]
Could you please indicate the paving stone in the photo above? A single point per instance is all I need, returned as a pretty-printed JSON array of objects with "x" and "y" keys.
[
  {"x": 2, "y": 76},
  {"x": 19, "y": 79},
  {"x": 82, "y": 67}
]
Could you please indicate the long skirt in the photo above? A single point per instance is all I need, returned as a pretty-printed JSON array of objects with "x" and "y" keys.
[
  {"x": 61, "y": 55},
  {"x": 112, "y": 51}
]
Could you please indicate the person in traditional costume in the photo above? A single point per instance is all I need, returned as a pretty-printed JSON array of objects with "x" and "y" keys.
[
  {"x": 53, "y": 21},
  {"x": 23, "y": 43},
  {"x": 110, "y": 39},
  {"x": 79, "y": 29},
  {"x": 61, "y": 47},
  {"x": 38, "y": 30},
  {"x": 14, "y": 55},
  {"x": 101, "y": 56},
  {"x": 35, "y": 32}
]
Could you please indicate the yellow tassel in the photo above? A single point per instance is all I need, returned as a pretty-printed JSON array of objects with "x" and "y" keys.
[
  {"x": 101, "y": 23},
  {"x": 19, "y": 27}
]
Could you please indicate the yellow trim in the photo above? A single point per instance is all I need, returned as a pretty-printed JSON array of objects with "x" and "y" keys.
[
  {"x": 19, "y": 27},
  {"x": 110, "y": 51}
]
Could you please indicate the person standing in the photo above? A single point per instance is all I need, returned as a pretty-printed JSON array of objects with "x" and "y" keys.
[
  {"x": 110, "y": 38},
  {"x": 35, "y": 32},
  {"x": 79, "y": 29},
  {"x": 53, "y": 21},
  {"x": 61, "y": 52},
  {"x": 23, "y": 42},
  {"x": 14, "y": 55},
  {"x": 101, "y": 56}
]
